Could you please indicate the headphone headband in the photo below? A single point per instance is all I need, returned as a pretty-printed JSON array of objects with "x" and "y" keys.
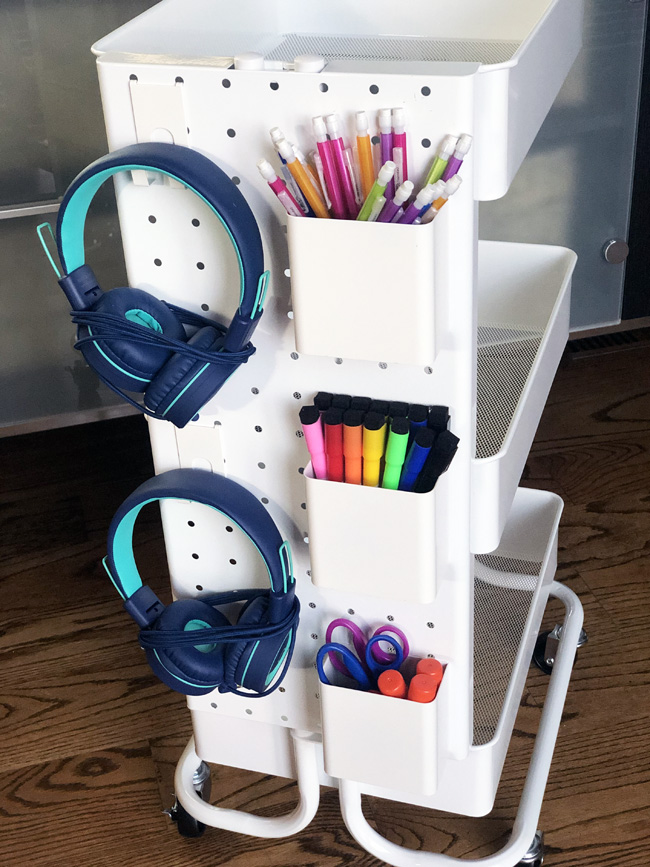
[
  {"x": 225, "y": 496},
  {"x": 194, "y": 171}
]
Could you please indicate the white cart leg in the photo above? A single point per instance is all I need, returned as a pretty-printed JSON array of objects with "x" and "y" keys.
[
  {"x": 246, "y": 823},
  {"x": 533, "y": 793}
]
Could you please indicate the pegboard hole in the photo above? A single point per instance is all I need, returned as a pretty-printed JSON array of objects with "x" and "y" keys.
[
  {"x": 312, "y": 604},
  {"x": 232, "y": 561},
  {"x": 191, "y": 524},
  {"x": 200, "y": 266},
  {"x": 375, "y": 139},
  {"x": 426, "y": 143},
  {"x": 258, "y": 429},
  {"x": 255, "y": 390},
  {"x": 323, "y": 87},
  {"x": 179, "y": 80},
  {"x": 199, "y": 587},
  {"x": 231, "y": 134},
  {"x": 425, "y": 91},
  {"x": 225, "y": 82},
  {"x": 297, "y": 395},
  {"x": 301, "y": 470},
  {"x": 290, "y": 314},
  {"x": 229, "y": 529},
  {"x": 195, "y": 556},
  {"x": 157, "y": 262},
  {"x": 152, "y": 219},
  {"x": 383, "y": 365},
  {"x": 213, "y": 704},
  {"x": 249, "y": 711},
  {"x": 390, "y": 618},
  {"x": 295, "y": 356},
  {"x": 205, "y": 307},
  {"x": 314, "y": 636},
  {"x": 261, "y": 465},
  {"x": 236, "y": 181},
  {"x": 373, "y": 88},
  {"x": 428, "y": 370},
  {"x": 196, "y": 222},
  {"x": 284, "y": 718},
  {"x": 265, "y": 500},
  {"x": 133, "y": 77},
  {"x": 350, "y": 610},
  {"x": 274, "y": 85},
  {"x": 281, "y": 689},
  {"x": 430, "y": 625},
  {"x": 303, "y": 505},
  {"x": 338, "y": 361}
]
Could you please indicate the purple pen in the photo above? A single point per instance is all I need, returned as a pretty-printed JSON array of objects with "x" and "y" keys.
[
  {"x": 386, "y": 144},
  {"x": 338, "y": 153},
  {"x": 423, "y": 198},
  {"x": 463, "y": 145},
  {"x": 391, "y": 208}
]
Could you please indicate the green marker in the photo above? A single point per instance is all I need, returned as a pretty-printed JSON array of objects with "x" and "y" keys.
[
  {"x": 386, "y": 173},
  {"x": 398, "y": 440},
  {"x": 441, "y": 160}
]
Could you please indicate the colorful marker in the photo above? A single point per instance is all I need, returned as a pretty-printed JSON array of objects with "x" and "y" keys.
[
  {"x": 460, "y": 152},
  {"x": 398, "y": 438},
  {"x": 415, "y": 459},
  {"x": 392, "y": 683},
  {"x": 280, "y": 189},
  {"x": 441, "y": 160},
  {"x": 402, "y": 194},
  {"x": 329, "y": 168},
  {"x": 386, "y": 145},
  {"x": 313, "y": 431},
  {"x": 302, "y": 179},
  {"x": 333, "y": 428},
  {"x": 337, "y": 148},
  {"x": 423, "y": 688},
  {"x": 352, "y": 445},
  {"x": 438, "y": 462},
  {"x": 374, "y": 437},
  {"x": 399, "y": 146},
  {"x": 364, "y": 150},
  {"x": 386, "y": 172}
]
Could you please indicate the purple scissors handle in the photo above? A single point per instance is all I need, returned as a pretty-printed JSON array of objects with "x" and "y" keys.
[
  {"x": 358, "y": 642},
  {"x": 381, "y": 655}
]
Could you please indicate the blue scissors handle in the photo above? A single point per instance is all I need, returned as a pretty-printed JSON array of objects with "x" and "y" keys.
[
  {"x": 352, "y": 664},
  {"x": 376, "y": 666}
]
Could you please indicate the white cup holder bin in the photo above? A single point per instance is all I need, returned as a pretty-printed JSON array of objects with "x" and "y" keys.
[
  {"x": 363, "y": 290},
  {"x": 371, "y": 540},
  {"x": 379, "y": 740}
]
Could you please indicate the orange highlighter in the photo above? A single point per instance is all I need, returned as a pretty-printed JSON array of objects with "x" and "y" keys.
[
  {"x": 352, "y": 445},
  {"x": 374, "y": 439}
]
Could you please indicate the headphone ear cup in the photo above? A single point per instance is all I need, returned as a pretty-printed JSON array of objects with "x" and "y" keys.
[
  {"x": 127, "y": 365},
  {"x": 184, "y": 385},
  {"x": 254, "y": 664},
  {"x": 192, "y": 669}
]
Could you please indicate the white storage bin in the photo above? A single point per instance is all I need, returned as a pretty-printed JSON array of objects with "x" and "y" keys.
[
  {"x": 363, "y": 290},
  {"x": 519, "y": 53},
  {"x": 523, "y": 319},
  {"x": 371, "y": 540},
  {"x": 381, "y": 741}
]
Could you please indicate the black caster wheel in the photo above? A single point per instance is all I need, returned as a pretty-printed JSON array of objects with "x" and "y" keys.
[
  {"x": 546, "y": 648},
  {"x": 535, "y": 855},
  {"x": 187, "y": 825}
]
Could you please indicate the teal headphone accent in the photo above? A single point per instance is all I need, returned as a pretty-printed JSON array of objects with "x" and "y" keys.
[
  {"x": 137, "y": 343},
  {"x": 190, "y": 644}
]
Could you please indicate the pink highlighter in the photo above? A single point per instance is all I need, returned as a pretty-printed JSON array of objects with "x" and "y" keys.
[
  {"x": 339, "y": 210},
  {"x": 280, "y": 189},
  {"x": 313, "y": 431},
  {"x": 399, "y": 147},
  {"x": 386, "y": 146}
]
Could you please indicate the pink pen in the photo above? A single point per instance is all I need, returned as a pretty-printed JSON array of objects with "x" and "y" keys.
[
  {"x": 339, "y": 210},
  {"x": 280, "y": 189},
  {"x": 386, "y": 145},
  {"x": 463, "y": 145},
  {"x": 391, "y": 208},
  {"x": 338, "y": 152},
  {"x": 313, "y": 431},
  {"x": 399, "y": 146}
]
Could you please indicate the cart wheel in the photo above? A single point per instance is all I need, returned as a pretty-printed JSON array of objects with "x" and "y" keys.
[
  {"x": 535, "y": 855},
  {"x": 187, "y": 825},
  {"x": 546, "y": 648}
]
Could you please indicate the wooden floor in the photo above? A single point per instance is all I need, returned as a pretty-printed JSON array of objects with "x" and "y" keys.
[{"x": 89, "y": 738}]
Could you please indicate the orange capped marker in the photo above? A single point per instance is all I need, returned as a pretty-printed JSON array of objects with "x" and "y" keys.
[
  {"x": 391, "y": 682},
  {"x": 423, "y": 688},
  {"x": 430, "y": 666}
]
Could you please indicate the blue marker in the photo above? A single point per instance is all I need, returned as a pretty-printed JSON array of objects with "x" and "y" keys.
[{"x": 418, "y": 453}]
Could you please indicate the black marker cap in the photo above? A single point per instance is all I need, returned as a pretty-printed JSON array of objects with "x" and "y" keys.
[
  {"x": 398, "y": 409},
  {"x": 374, "y": 420},
  {"x": 323, "y": 400},
  {"x": 380, "y": 406},
  {"x": 333, "y": 416},
  {"x": 418, "y": 413},
  {"x": 309, "y": 414},
  {"x": 362, "y": 403},
  {"x": 353, "y": 417},
  {"x": 438, "y": 461},
  {"x": 438, "y": 417},
  {"x": 341, "y": 401},
  {"x": 400, "y": 425}
]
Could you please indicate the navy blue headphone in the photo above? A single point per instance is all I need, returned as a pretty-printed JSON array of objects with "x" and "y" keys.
[
  {"x": 190, "y": 645},
  {"x": 136, "y": 342}
]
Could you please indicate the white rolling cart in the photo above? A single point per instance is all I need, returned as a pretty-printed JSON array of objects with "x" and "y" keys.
[{"x": 419, "y": 314}]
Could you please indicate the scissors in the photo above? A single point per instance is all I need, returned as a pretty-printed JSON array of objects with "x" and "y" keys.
[{"x": 370, "y": 660}]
